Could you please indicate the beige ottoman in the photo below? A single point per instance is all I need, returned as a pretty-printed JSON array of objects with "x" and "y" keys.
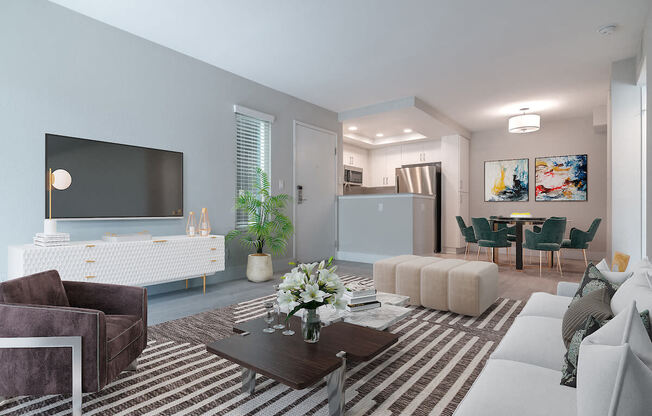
[
  {"x": 385, "y": 272},
  {"x": 434, "y": 283},
  {"x": 408, "y": 277},
  {"x": 472, "y": 287}
]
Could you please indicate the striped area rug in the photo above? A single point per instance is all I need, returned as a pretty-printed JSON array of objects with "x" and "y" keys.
[{"x": 428, "y": 372}]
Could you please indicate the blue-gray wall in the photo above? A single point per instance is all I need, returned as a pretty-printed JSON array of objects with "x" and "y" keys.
[{"x": 61, "y": 72}]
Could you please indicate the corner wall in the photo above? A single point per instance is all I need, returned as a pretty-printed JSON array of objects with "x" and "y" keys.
[
  {"x": 556, "y": 138},
  {"x": 66, "y": 73}
]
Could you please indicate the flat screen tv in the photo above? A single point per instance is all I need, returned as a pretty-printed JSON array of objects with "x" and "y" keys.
[{"x": 111, "y": 180}]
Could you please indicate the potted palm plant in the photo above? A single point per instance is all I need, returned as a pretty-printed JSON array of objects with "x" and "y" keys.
[{"x": 268, "y": 228}]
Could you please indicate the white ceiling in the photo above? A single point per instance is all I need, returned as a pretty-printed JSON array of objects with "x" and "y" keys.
[{"x": 476, "y": 61}]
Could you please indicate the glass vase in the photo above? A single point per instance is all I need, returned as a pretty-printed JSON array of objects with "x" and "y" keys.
[
  {"x": 204, "y": 224},
  {"x": 191, "y": 226},
  {"x": 310, "y": 325}
]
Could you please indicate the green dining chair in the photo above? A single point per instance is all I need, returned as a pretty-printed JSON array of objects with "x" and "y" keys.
[
  {"x": 488, "y": 238},
  {"x": 467, "y": 233},
  {"x": 548, "y": 239},
  {"x": 580, "y": 240}
]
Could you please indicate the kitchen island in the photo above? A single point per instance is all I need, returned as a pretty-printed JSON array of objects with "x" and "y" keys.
[{"x": 373, "y": 227}]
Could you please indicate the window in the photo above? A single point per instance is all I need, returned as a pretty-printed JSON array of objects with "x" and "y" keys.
[{"x": 252, "y": 151}]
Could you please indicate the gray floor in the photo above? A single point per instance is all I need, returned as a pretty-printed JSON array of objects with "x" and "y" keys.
[{"x": 174, "y": 305}]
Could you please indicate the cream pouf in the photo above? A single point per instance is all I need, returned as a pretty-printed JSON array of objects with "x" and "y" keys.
[
  {"x": 385, "y": 272},
  {"x": 472, "y": 287},
  {"x": 434, "y": 283},
  {"x": 408, "y": 277}
]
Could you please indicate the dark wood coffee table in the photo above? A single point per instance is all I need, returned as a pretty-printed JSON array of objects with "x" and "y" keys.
[{"x": 298, "y": 364}]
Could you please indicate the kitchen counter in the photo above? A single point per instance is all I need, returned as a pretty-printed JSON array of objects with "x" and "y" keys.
[{"x": 373, "y": 227}]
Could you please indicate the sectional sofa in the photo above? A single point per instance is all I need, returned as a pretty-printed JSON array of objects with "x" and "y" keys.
[{"x": 522, "y": 376}]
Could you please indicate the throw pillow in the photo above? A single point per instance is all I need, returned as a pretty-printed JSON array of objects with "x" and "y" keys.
[
  {"x": 594, "y": 304},
  {"x": 569, "y": 366},
  {"x": 645, "y": 317},
  {"x": 614, "y": 277},
  {"x": 594, "y": 280},
  {"x": 635, "y": 288}
]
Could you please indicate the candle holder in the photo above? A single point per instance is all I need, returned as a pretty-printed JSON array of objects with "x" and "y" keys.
[
  {"x": 204, "y": 224},
  {"x": 191, "y": 226}
]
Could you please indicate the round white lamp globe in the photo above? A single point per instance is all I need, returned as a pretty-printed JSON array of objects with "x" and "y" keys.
[{"x": 61, "y": 179}]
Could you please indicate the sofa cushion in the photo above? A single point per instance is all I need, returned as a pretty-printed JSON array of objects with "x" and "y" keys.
[
  {"x": 569, "y": 366},
  {"x": 635, "y": 288},
  {"x": 594, "y": 280},
  {"x": 594, "y": 304},
  {"x": 510, "y": 388},
  {"x": 121, "y": 331},
  {"x": 43, "y": 288},
  {"x": 612, "y": 380},
  {"x": 614, "y": 277},
  {"x": 545, "y": 304},
  {"x": 533, "y": 340}
]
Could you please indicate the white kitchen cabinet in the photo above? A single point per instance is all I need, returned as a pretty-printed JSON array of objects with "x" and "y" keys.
[
  {"x": 392, "y": 161},
  {"x": 455, "y": 178},
  {"x": 426, "y": 151},
  {"x": 358, "y": 157},
  {"x": 384, "y": 162}
]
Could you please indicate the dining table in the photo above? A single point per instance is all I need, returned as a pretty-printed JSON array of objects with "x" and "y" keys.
[{"x": 518, "y": 222}]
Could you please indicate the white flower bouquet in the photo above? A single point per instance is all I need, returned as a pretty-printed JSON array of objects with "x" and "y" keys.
[{"x": 309, "y": 286}]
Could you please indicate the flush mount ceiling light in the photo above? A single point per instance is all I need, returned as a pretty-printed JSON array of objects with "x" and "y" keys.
[
  {"x": 353, "y": 128},
  {"x": 379, "y": 134},
  {"x": 524, "y": 123},
  {"x": 407, "y": 130}
]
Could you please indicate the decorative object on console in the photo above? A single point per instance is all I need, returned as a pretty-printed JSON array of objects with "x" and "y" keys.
[
  {"x": 60, "y": 179},
  {"x": 204, "y": 224},
  {"x": 267, "y": 226},
  {"x": 561, "y": 178},
  {"x": 51, "y": 240},
  {"x": 506, "y": 180},
  {"x": 191, "y": 226},
  {"x": 309, "y": 286}
]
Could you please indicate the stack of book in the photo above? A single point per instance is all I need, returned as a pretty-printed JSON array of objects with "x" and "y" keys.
[
  {"x": 360, "y": 298},
  {"x": 51, "y": 240}
]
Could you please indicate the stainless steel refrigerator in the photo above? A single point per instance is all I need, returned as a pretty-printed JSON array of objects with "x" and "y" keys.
[{"x": 423, "y": 179}]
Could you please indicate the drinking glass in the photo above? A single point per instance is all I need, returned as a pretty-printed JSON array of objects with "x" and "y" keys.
[
  {"x": 269, "y": 317},
  {"x": 288, "y": 331},
  {"x": 277, "y": 309}
]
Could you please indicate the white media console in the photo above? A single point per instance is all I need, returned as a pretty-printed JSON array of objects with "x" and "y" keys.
[{"x": 136, "y": 263}]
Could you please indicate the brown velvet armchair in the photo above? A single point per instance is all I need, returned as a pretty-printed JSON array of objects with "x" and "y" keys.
[{"x": 111, "y": 319}]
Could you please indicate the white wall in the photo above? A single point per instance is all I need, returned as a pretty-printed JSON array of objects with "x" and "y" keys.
[
  {"x": 624, "y": 135},
  {"x": 563, "y": 137},
  {"x": 65, "y": 73}
]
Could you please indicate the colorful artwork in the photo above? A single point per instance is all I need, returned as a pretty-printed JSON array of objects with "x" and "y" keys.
[
  {"x": 561, "y": 178},
  {"x": 506, "y": 180}
]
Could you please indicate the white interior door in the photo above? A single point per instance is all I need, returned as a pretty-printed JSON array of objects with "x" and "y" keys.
[{"x": 314, "y": 193}]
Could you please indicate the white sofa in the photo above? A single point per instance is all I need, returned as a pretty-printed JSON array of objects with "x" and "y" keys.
[{"x": 522, "y": 376}]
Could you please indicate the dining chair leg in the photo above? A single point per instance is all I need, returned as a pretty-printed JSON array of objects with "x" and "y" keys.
[
  {"x": 466, "y": 250},
  {"x": 586, "y": 263},
  {"x": 559, "y": 263},
  {"x": 478, "y": 256},
  {"x": 540, "y": 263}
]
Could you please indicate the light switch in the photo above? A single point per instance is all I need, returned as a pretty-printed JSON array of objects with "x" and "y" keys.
[
  {"x": 380, "y": 207},
  {"x": 281, "y": 184}
]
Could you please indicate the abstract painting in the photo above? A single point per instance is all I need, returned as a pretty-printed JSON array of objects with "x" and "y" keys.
[
  {"x": 561, "y": 178},
  {"x": 506, "y": 180}
]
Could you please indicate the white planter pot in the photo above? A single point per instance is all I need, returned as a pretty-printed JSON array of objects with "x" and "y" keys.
[{"x": 259, "y": 267}]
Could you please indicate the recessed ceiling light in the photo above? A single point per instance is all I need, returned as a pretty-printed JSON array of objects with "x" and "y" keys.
[
  {"x": 607, "y": 29},
  {"x": 379, "y": 134},
  {"x": 407, "y": 130},
  {"x": 353, "y": 128}
]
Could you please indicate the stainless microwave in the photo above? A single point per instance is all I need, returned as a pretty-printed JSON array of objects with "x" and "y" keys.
[{"x": 352, "y": 175}]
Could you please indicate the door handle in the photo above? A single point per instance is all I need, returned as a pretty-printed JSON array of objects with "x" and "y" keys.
[{"x": 300, "y": 199}]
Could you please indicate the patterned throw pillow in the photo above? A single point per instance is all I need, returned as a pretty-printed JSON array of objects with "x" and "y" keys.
[
  {"x": 645, "y": 317},
  {"x": 595, "y": 304},
  {"x": 569, "y": 367},
  {"x": 594, "y": 280}
]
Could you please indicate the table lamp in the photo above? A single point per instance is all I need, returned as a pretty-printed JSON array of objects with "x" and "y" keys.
[{"x": 60, "y": 180}]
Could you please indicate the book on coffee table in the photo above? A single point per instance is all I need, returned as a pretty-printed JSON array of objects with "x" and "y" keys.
[{"x": 357, "y": 307}]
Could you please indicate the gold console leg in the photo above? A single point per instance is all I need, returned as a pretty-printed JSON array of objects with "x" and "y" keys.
[
  {"x": 204, "y": 278},
  {"x": 186, "y": 283}
]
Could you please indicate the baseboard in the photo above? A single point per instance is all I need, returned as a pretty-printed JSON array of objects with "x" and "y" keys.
[{"x": 360, "y": 257}]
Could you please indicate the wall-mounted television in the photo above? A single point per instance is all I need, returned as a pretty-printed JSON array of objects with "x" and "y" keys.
[{"x": 111, "y": 180}]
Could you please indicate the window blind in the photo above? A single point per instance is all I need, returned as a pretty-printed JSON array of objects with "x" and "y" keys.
[{"x": 252, "y": 151}]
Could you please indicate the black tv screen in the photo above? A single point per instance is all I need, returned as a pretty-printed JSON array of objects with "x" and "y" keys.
[{"x": 111, "y": 180}]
